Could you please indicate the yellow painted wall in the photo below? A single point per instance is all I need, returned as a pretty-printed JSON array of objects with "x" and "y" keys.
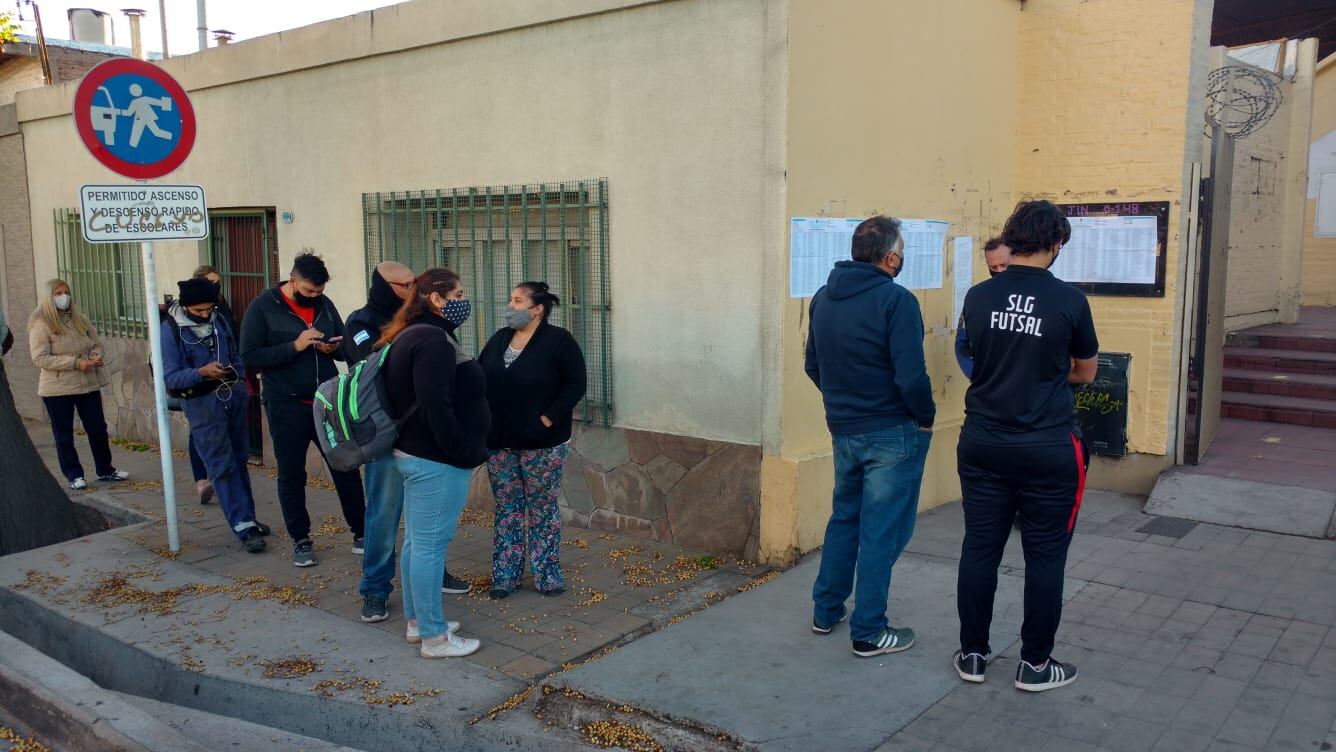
[
  {"x": 667, "y": 100},
  {"x": 970, "y": 105},
  {"x": 904, "y": 108},
  {"x": 1257, "y": 219},
  {"x": 1319, "y": 254},
  {"x": 1110, "y": 96}
]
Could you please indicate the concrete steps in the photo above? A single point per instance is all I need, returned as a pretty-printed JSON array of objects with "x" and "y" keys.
[{"x": 1282, "y": 374}]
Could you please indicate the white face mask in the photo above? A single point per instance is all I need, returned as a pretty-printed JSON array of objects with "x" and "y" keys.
[{"x": 63, "y": 301}]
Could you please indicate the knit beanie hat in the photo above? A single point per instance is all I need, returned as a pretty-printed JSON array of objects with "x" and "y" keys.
[{"x": 197, "y": 291}]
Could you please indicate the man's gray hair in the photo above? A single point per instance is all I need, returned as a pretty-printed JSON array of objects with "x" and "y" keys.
[{"x": 876, "y": 238}]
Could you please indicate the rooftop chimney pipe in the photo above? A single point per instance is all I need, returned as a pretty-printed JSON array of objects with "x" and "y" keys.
[{"x": 136, "y": 41}]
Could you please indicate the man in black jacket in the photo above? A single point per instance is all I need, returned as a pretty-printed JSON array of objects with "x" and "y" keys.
[
  {"x": 292, "y": 336},
  {"x": 391, "y": 284}
]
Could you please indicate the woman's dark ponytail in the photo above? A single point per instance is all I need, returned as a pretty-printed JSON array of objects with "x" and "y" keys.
[{"x": 540, "y": 294}]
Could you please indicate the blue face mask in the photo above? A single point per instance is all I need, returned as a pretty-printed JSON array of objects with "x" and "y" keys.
[{"x": 457, "y": 311}]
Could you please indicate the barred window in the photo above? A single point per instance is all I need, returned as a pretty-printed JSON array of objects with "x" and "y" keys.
[
  {"x": 496, "y": 237},
  {"x": 107, "y": 278}
]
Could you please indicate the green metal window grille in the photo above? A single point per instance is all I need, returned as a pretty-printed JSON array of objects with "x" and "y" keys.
[
  {"x": 496, "y": 237},
  {"x": 107, "y": 278}
]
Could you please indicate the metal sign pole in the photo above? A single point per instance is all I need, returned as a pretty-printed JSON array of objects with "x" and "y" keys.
[{"x": 160, "y": 396}]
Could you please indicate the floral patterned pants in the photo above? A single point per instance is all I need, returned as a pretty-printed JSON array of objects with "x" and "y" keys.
[{"x": 527, "y": 487}]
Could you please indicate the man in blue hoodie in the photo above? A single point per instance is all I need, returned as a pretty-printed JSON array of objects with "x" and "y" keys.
[{"x": 865, "y": 354}]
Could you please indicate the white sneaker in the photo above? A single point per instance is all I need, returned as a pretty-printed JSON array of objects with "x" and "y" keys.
[
  {"x": 414, "y": 637},
  {"x": 78, "y": 484},
  {"x": 449, "y": 646}
]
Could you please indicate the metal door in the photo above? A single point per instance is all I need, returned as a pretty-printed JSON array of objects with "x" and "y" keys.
[
  {"x": 1206, "y": 365},
  {"x": 243, "y": 247}
]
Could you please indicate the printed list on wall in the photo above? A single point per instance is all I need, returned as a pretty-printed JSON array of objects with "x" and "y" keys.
[
  {"x": 1118, "y": 249},
  {"x": 817, "y": 243}
]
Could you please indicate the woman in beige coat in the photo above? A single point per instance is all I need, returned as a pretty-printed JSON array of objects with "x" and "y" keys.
[{"x": 65, "y": 346}]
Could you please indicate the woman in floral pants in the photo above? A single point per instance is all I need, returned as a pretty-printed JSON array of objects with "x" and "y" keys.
[{"x": 535, "y": 377}]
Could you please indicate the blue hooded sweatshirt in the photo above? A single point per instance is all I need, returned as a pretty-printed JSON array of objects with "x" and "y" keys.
[{"x": 865, "y": 352}]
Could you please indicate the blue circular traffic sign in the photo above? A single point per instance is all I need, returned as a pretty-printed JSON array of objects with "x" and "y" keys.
[{"x": 134, "y": 118}]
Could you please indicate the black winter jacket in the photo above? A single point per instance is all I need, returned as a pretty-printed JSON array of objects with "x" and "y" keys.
[
  {"x": 548, "y": 379},
  {"x": 450, "y": 422},
  {"x": 365, "y": 324},
  {"x": 268, "y": 336}
]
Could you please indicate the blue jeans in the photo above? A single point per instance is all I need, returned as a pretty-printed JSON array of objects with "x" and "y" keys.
[
  {"x": 384, "y": 506},
  {"x": 434, "y": 497},
  {"x": 877, "y": 479}
]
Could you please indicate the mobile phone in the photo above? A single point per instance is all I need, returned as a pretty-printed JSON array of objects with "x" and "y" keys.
[{"x": 332, "y": 340}]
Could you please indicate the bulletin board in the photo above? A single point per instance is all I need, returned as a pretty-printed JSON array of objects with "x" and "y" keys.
[{"x": 1116, "y": 249}]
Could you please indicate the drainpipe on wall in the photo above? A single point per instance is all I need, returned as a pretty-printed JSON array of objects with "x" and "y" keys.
[{"x": 136, "y": 40}]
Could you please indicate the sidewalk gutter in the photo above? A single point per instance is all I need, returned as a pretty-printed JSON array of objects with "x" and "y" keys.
[{"x": 67, "y": 710}]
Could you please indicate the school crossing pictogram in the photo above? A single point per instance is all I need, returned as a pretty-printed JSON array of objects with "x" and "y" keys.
[{"x": 134, "y": 118}]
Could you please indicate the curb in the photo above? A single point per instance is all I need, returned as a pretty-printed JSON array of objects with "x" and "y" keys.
[{"x": 71, "y": 712}]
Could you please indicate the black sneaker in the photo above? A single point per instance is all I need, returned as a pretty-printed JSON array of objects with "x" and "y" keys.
[
  {"x": 554, "y": 592},
  {"x": 970, "y": 666},
  {"x": 453, "y": 585},
  {"x": 497, "y": 594},
  {"x": 303, "y": 553},
  {"x": 253, "y": 542},
  {"x": 1049, "y": 676},
  {"x": 820, "y": 628},
  {"x": 891, "y": 640},
  {"x": 359, "y": 545},
  {"x": 263, "y": 528},
  {"x": 373, "y": 609}
]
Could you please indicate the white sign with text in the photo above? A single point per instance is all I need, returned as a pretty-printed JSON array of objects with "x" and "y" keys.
[{"x": 133, "y": 213}]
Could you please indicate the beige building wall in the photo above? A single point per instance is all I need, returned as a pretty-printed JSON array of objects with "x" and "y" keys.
[
  {"x": 1267, "y": 206},
  {"x": 1257, "y": 219},
  {"x": 903, "y": 108},
  {"x": 17, "y": 286},
  {"x": 1319, "y": 254},
  {"x": 667, "y": 100}
]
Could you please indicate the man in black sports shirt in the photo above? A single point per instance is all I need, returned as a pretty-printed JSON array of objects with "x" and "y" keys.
[{"x": 1032, "y": 337}]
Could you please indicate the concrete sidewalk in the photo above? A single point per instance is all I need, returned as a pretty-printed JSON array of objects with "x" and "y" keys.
[{"x": 1188, "y": 637}]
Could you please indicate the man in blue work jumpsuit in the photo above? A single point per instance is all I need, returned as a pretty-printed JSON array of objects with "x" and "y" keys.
[
  {"x": 1032, "y": 337},
  {"x": 202, "y": 366}
]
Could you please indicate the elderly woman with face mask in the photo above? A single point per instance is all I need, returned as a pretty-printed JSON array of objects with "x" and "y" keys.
[{"x": 65, "y": 347}]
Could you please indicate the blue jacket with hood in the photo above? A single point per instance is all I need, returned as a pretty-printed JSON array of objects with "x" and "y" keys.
[{"x": 865, "y": 352}]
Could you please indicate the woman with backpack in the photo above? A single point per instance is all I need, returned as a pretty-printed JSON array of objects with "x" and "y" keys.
[
  {"x": 535, "y": 378},
  {"x": 438, "y": 392},
  {"x": 202, "y": 367},
  {"x": 65, "y": 346}
]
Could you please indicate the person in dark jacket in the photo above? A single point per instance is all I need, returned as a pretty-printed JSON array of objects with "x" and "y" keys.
[
  {"x": 200, "y": 357},
  {"x": 292, "y": 336},
  {"x": 535, "y": 378},
  {"x": 391, "y": 284},
  {"x": 997, "y": 256},
  {"x": 439, "y": 393},
  {"x": 203, "y": 487},
  {"x": 865, "y": 354},
  {"x": 1033, "y": 337}
]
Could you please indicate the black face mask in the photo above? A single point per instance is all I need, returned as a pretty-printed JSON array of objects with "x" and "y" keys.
[
  {"x": 305, "y": 301},
  {"x": 992, "y": 273},
  {"x": 199, "y": 319}
]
